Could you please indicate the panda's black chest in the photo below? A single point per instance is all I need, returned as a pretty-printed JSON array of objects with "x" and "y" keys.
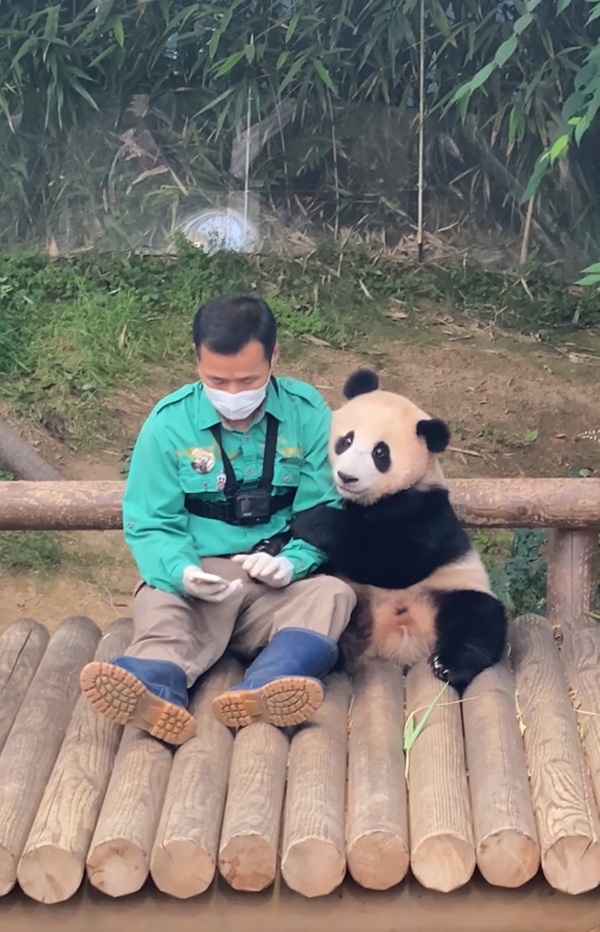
[
  {"x": 382, "y": 554},
  {"x": 400, "y": 542}
]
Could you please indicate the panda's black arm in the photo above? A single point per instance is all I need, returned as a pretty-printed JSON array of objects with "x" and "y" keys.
[{"x": 323, "y": 527}]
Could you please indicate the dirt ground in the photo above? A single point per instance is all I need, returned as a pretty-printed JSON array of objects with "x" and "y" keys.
[{"x": 516, "y": 408}]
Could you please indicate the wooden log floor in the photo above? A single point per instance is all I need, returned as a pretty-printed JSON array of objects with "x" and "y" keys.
[{"x": 497, "y": 789}]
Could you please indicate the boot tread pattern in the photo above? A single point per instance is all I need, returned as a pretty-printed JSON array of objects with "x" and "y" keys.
[
  {"x": 290, "y": 700},
  {"x": 122, "y": 698}
]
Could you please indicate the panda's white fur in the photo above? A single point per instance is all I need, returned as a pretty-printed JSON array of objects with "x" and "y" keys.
[
  {"x": 422, "y": 589},
  {"x": 402, "y": 621}
]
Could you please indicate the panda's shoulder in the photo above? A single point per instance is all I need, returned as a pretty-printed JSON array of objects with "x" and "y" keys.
[
  {"x": 177, "y": 397},
  {"x": 303, "y": 392}
]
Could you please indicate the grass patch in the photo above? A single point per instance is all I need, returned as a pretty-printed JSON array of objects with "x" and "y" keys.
[
  {"x": 21, "y": 551},
  {"x": 73, "y": 330}
]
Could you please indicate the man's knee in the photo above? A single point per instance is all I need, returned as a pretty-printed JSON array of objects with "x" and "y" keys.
[
  {"x": 334, "y": 601},
  {"x": 339, "y": 591}
]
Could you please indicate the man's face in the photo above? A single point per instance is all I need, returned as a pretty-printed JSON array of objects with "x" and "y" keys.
[{"x": 241, "y": 372}]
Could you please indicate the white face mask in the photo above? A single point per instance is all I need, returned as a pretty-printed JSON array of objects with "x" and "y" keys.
[{"x": 236, "y": 407}]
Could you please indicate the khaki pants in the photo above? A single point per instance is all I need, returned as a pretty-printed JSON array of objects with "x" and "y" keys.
[{"x": 194, "y": 634}]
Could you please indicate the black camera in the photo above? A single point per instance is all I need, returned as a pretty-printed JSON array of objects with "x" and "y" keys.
[{"x": 252, "y": 506}]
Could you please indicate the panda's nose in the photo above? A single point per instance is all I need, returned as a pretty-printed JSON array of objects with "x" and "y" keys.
[{"x": 346, "y": 479}]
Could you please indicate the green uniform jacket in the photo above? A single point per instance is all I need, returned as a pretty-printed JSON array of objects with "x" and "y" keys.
[{"x": 176, "y": 454}]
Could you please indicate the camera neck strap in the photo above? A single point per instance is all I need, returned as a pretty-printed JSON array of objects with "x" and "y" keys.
[{"x": 266, "y": 480}]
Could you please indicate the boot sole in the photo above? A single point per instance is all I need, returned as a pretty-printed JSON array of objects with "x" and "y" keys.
[
  {"x": 120, "y": 697},
  {"x": 290, "y": 700}
]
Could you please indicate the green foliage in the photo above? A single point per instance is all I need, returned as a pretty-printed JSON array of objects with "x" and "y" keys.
[
  {"x": 185, "y": 72},
  {"x": 520, "y": 581},
  {"x": 569, "y": 32},
  {"x": 591, "y": 275}
]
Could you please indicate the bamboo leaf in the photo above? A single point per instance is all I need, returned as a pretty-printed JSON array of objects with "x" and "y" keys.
[
  {"x": 324, "y": 75},
  {"x": 522, "y": 23},
  {"x": 213, "y": 45},
  {"x": 229, "y": 63},
  {"x": 215, "y": 103},
  {"x": 292, "y": 27},
  {"x": 589, "y": 280},
  {"x": 593, "y": 269},
  {"x": 119, "y": 32},
  {"x": 506, "y": 51},
  {"x": 294, "y": 70},
  {"x": 541, "y": 167},
  {"x": 559, "y": 147}
]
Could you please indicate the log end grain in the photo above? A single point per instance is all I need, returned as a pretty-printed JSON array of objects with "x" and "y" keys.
[
  {"x": 117, "y": 867},
  {"x": 248, "y": 862},
  {"x": 508, "y": 858},
  {"x": 443, "y": 863},
  {"x": 313, "y": 867},
  {"x": 182, "y": 869},
  {"x": 572, "y": 864},
  {"x": 378, "y": 860},
  {"x": 8, "y": 871},
  {"x": 49, "y": 874}
]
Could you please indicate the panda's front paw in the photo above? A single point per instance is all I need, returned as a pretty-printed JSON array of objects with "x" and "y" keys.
[
  {"x": 438, "y": 668},
  {"x": 456, "y": 674}
]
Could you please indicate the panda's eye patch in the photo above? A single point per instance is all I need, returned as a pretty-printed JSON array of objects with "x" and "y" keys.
[
  {"x": 381, "y": 456},
  {"x": 342, "y": 443}
]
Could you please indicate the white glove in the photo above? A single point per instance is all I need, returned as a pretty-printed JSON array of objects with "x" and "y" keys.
[
  {"x": 201, "y": 585},
  {"x": 276, "y": 572}
]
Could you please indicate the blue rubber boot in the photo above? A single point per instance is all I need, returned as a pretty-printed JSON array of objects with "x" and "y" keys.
[
  {"x": 283, "y": 685},
  {"x": 148, "y": 694}
]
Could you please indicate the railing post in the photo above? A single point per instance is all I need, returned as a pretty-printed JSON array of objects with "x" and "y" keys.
[{"x": 572, "y": 575}]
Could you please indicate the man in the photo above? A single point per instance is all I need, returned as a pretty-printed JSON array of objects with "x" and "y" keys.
[{"x": 218, "y": 471}]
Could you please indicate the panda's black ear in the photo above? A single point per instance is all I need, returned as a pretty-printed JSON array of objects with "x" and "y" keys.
[
  {"x": 436, "y": 433},
  {"x": 361, "y": 382}
]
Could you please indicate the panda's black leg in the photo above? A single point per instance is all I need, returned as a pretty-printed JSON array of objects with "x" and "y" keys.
[{"x": 471, "y": 635}]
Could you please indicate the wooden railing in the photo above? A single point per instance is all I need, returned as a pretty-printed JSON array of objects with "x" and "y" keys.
[{"x": 569, "y": 508}]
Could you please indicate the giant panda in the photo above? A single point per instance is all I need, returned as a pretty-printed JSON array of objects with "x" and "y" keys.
[{"x": 422, "y": 589}]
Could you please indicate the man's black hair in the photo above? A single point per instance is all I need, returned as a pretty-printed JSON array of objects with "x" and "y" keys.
[{"x": 226, "y": 324}]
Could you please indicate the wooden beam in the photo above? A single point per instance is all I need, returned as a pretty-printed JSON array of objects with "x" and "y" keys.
[
  {"x": 33, "y": 744},
  {"x": 53, "y": 863},
  {"x": 251, "y": 825},
  {"x": 313, "y": 860},
  {"x": 118, "y": 862},
  {"x": 441, "y": 833},
  {"x": 22, "y": 647},
  {"x": 506, "y": 839},
  {"x": 377, "y": 818},
  {"x": 510, "y": 503},
  {"x": 572, "y": 574},
  {"x": 184, "y": 857},
  {"x": 580, "y": 653},
  {"x": 567, "y": 819},
  {"x": 21, "y": 459}
]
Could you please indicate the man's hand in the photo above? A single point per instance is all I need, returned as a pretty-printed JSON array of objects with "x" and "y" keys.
[
  {"x": 276, "y": 572},
  {"x": 206, "y": 586}
]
